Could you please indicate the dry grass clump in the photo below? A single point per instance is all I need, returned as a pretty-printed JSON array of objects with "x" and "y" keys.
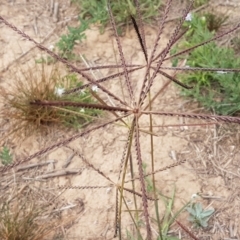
[
  {"x": 26, "y": 213},
  {"x": 38, "y": 83},
  {"x": 33, "y": 84}
]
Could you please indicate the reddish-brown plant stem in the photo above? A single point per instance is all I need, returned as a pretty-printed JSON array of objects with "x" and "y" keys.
[
  {"x": 80, "y": 105},
  {"x": 187, "y": 231},
  {"x": 141, "y": 28}
]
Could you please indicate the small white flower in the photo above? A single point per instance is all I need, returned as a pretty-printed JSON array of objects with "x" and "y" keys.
[
  {"x": 203, "y": 19},
  {"x": 82, "y": 91},
  {"x": 188, "y": 17},
  {"x": 221, "y": 72},
  {"x": 82, "y": 110},
  {"x": 108, "y": 190},
  {"x": 59, "y": 91},
  {"x": 194, "y": 196},
  {"x": 51, "y": 47},
  {"x": 95, "y": 88}
]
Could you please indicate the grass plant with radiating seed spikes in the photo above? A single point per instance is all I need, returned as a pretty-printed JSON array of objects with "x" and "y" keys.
[{"x": 129, "y": 111}]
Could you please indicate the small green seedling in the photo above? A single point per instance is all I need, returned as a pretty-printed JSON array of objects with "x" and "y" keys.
[
  {"x": 199, "y": 3},
  {"x": 6, "y": 156},
  {"x": 198, "y": 216}
]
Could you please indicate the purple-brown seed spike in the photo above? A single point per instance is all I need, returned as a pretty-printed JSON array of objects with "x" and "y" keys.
[
  {"x": 164, "y": 54},
  {"x": 124, "y": 153},
  {"x": 159, "y": 170},
  {"x": 141, "y": 28},
  {"x": 115, "y": 75},
  {"x": 177, "y": 39},
  {"x": 174, "y": 80},
  {"x": 216, "y": 118},
  {"x": 79, "y": 104},
  {"x": 139, "y": 37},
  {"x": 59, "y": 144},
  {"x": 141, "y": 177},
  {"x": 187, "y": 231},
  {"x": 154, "y": 50},
  {"x": 91, "y": 165},
  {"x": 123, "y": 62},
  {"x": 165, "y": 15},
  {"x": 116, "y": 215},
  {"x": 109, "y": 67},
  {"x": 138, "y": 194},
  {"x": 202, "y": 69},
  {"x": 66, "y": 187}
]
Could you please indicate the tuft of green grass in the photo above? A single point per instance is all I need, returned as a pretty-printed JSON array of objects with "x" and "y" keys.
[
  {"x": 26, "y": 216},
  {"x": 167, "y": 219},
  {"x": 217, "y": 91},
  {"x": 19, "y": 223}
]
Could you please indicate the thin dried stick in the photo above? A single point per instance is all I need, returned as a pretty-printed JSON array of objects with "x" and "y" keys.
[
  {"x": 69, "y": 159},
  {"x": 66, "y": 187},
  {"x": 32, "y": 165},
  {"x": 59, "y": 173}
]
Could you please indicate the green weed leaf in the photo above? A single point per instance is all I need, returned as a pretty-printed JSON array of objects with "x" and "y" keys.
[{"x": 6, "y": 156}]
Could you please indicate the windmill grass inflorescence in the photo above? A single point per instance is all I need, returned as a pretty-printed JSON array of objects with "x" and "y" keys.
[{"x": 130, "y": 109}]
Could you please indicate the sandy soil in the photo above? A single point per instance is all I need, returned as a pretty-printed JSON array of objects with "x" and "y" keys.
[{"x": 211, "y": 152}]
